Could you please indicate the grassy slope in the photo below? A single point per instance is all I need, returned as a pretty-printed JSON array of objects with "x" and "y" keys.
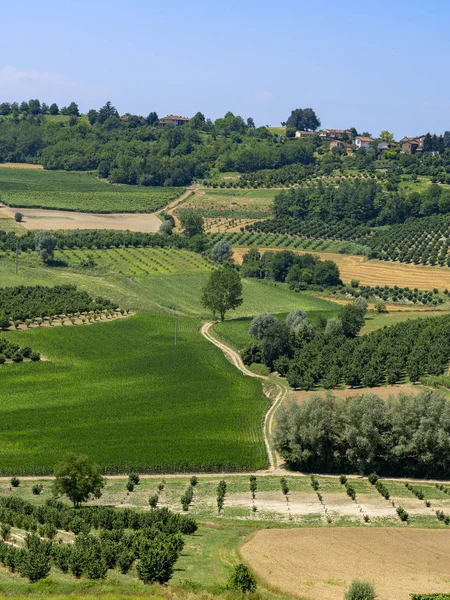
[
  {"x": 112, "y": 391},
  {"x": 78, "y": 191}
]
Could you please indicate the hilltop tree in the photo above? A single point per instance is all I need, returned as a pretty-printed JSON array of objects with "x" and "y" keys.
[
  {"x": 152, "y": 118},
  {"x": 78, "y": 479},
  {"x": 386, "y": 136},
  {"x": 303, "y": 119},
  {"x": 45, "y": 244},
  {"x": 72, "y": 110},
  {"x": 92, "y": 116},
  {"x": 107, "y": 111},
  {"x": 53, "y": 110},
  {"x": 223, "y": 291}
]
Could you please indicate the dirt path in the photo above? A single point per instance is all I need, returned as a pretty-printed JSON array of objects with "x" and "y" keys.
[
  {"x": 174, "y": 203},
  {"x": 281, "y": 390}
]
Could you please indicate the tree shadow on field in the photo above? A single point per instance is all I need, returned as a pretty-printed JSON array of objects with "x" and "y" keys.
[{"x": 57, "y": 263}]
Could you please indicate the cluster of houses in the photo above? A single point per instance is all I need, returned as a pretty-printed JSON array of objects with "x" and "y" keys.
[
  {"x": 345, "y": 139},
  {"x": 338, "y": 138}
]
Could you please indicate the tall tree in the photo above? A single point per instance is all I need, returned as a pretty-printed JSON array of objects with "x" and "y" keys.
[
  {"x": 192, "y": 222},
  {"x": 45, "y": 243},
  {"x": 53, "y": 110},
  {"x": 223, "y": 291},
  {"x": 78, "y": 479},
  {"x": 152, "y": 118},
  {"x": 386, "y": 136},
  {"x": 303, "y": 119}
]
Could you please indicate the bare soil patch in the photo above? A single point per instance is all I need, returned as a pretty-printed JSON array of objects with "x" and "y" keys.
[
  {"x": 38, "y": 218},
  {"x": 383, "y": 392},
  {"x": 11, "y": 165},
  {"x": 372, "y": 272},
  {"x": 319, "y": 564}
]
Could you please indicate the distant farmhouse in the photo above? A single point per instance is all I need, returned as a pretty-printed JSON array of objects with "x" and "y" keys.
[
  {"x": 362, "y": 141},
  {"x": 304, "y": 134},
  {"x": 335, "y": 134},
  {"x": 409, "y": 145},
  {"x": 173, "y": 120}
]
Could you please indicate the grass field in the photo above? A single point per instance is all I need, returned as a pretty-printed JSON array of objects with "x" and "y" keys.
[
  {"x": 113, "y": 391},
  {"x": 231, "y": 203},
  {"x": 83, "y": 192}
]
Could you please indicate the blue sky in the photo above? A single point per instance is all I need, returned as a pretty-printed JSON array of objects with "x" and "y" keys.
[{"x": 383, "y": 66}]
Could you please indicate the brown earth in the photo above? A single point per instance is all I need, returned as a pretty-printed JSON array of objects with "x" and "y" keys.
[
  {"x": 382, "y": 392},
  {"x": 372, "y": 272},
  {"x": 37, "y": 218},
  {"x": 319, "y": 564},
  {"x": 10, "y": 165}
]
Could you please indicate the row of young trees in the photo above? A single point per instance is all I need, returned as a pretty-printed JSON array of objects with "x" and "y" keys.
[
  {"x": 25, "y": 302},
  {"x": 328, "y": 353},
  {"x": 407, "y": 435},
  {"x": 11, "y": 351}
]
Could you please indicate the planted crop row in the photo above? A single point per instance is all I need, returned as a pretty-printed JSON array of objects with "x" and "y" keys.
[{"x": 80, "y": 192}]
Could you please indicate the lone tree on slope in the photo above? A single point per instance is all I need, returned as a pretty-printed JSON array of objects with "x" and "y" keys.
[{"x": 223, "y": 291}]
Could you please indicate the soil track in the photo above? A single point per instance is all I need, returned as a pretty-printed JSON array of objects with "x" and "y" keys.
[
  {"x": 321, "y": 563},
  {"x": 281, "y": 390},
  {"x": 372, "y": 272}
]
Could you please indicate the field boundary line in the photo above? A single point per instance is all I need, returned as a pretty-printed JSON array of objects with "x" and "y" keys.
[{"x": 234, "y": 357}]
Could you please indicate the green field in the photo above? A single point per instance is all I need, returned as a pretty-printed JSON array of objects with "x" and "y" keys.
[
  {"x": 82, "y": 192},
  {"x": 231, "y": 203},
  {"x": 112, "y": 390}
]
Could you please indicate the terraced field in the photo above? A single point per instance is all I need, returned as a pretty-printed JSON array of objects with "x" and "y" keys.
[{"x": 77, "y": 191}]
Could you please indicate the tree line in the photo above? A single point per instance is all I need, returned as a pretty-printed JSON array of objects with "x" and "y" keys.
[
  {"x": 299, "y": 271},
  {"x": 135, "y": 150},
  {"x": 329, "y": 353},
  {"x": 407, "y": 435}
]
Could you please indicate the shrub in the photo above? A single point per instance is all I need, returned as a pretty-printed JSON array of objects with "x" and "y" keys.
[
  {"x": 18, "y": 217},
  {"x": 153, "y": 500},
  {"x": 130, "y": 486},
  {"x": 284, "y": 486},
  {"x": 37, "y": 489},
  {"x": 134, "y": 478},
  {"x": 156, "y": 565},
  {"x": 402, "y": 514},
  {"x": 15, "y": 482},
  {"x": 35, "y": 562},
  {"x": 373, "y": 478},
  {"x": 242, "y": 580},
  {"x": 360, "y": 590}
]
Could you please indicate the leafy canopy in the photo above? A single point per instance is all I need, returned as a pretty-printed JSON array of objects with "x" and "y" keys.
[{"x": 78, "y": 479}]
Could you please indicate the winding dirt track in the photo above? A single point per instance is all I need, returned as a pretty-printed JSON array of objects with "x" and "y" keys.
[{"x": 236, "y": 360}]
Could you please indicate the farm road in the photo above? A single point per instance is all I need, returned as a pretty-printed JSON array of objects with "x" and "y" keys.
[{"x": 234, "y": 357}]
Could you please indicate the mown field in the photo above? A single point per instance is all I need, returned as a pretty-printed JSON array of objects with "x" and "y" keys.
[
  {"x": 82, "y": 192},
  {"x": 126, "y": 395}
]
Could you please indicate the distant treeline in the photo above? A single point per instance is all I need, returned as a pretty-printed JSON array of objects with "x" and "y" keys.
[{"x": 135, "y": 150}]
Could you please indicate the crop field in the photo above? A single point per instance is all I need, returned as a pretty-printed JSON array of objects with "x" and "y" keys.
[
  {"x": 117, "y": 385},
  {"x": 322, "y": 563},
  {"x": 82, "y": 192},
  {"x": 233, "y": 204},
  {"x": 137, "y": 261}
]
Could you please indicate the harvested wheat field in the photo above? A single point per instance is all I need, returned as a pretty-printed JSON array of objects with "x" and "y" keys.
[
  {"x": 376, "y": 272},
  {"x": 319, "y": 564},
  {"x": 382, "y": 392},
  {"x": 10, "y": 165},
  {"x": 37, "y": 218}
]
